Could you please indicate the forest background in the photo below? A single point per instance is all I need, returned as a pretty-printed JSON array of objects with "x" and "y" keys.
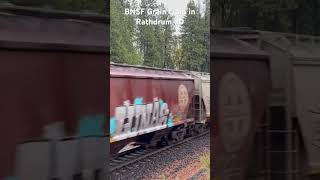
[{"x": 161, "y": 47}]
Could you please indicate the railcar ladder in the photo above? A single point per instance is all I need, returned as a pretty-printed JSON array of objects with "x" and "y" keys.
[
  {"x": 199, "y": 103},
  {"x": 283, "y": 162},
  {"x": 282, "y": 153},
  {"x": 259, "y": 161},
  {"x": 197, "y": 106}
]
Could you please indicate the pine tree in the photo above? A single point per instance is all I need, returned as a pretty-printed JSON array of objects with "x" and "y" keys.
[
  {"x": 167, "y": 39},
  {"x": 206, "y": 31},
  {"x": 193, "y": 35},
  {"x": 295, "y": 16},
  {"x": 122, "y": 27},
  {"x": 71, "y": 5},
  {"x": 148, "y": 36}
]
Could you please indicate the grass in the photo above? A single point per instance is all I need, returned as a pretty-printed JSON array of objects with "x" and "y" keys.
[
  {"x": 163, "y": 177},
  {"x": 205, "y": 160}
]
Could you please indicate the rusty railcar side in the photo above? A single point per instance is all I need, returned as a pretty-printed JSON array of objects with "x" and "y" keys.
[
  {"x": 294, "y": 103},
  {"x": 202, "y": 89},
  {"x": 240, "y": 102},
  {"x": 53, "y": 99},
  {"x": 145, "y": 102}
]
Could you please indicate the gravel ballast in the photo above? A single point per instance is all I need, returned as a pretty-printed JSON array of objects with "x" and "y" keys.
[{"x": 180, "y": 162}]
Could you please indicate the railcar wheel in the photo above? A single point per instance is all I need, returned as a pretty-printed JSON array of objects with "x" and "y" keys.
[
  {"x": 163, "y": 142},
  {"x": 199, "y": 128},
  {"x": 174, "y": 136},
  {"x": 190, "y": 131},
  {"x": 178, "y": 135}
]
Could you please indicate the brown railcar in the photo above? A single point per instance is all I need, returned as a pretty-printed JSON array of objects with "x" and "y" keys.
[
  {"x": 147, "y": 103},
  {"x": 52, "y": 95},
  {"x": 241, "y": 80},
  {"x": 286, "y": 142}
]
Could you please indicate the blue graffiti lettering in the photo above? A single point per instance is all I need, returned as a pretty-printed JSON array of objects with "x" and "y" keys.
[
  {"x": 91, "y": 125},
  {"x": 138, "y": 101},
  {"x": 161, "y": 102},
  {"x": 131, "y": 118},
  {"x": 10, "y": 178},
  {"x": 170, "y": 122},
  {"x": 113, "y": 125}
]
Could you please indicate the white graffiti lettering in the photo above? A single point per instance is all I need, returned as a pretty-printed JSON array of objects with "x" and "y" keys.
[{"x": 133, "y": 118}]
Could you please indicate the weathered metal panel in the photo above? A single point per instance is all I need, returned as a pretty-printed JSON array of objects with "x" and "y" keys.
[
  {"x": 307, "y": 88},
  {"x": 140, "y": 105},
  {"x": 202, "y": 83},
  {"x": 119, "y": 70},
  {"x": 19, "y": 29},
  {"x": 46, "y": 96},
  {"x": 206, "y": 96},
  {"x": 295, "y": 61},
  {"x": 241, "y": 99},
  {"x": 52, "y": 97},
  {"x": 241, "y": 91},
  {"x": 226, "y": 46}
]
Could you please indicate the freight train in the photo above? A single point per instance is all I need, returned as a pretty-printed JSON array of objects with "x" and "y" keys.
[
  {"x": 151, "y": 106},
  {"x": 266, "y": 103},
  {"x": 52, "y": 95}
]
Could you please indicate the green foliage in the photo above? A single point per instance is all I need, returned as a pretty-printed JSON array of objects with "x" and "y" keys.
[
  {"x": 205, "y": 160},
  {"x": 157, "y": 45},
  {"x": 122, "y": 34},
  {"x": 166, "y": 39},
  {"x": 306, "y": 17},
  {"x": 71, "y": 5},
  {"x": 154, "y": 39},
  {"x": 163, "y": 177},
  {"x": 295, "y": 16},
  {"x": 194, "y": 40},
  {"x": 177, "y": 58}
]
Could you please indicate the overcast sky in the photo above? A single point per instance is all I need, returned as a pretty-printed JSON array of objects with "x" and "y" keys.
[
  {"x": 175, "y": 4},
  {"x": 178, "y": 5}
]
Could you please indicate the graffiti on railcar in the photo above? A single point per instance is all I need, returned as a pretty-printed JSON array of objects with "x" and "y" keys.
[
  {"x": 89, "y": 125},
  {"x": 88, "y": 141},
  {"x": 139, "y": 118}
]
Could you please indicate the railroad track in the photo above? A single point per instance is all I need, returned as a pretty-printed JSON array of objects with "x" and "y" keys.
[{"x": 131, "y": 158}]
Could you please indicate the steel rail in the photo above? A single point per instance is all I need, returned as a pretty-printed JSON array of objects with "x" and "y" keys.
[{"x": 150, "y": 153}]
